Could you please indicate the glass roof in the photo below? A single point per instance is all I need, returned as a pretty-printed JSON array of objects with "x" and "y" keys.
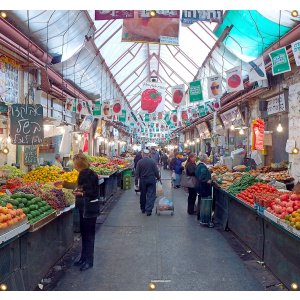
[{"x": 84, "y": 43}]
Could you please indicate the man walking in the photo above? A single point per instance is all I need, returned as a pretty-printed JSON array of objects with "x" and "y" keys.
[{"x": 147, "y": 173}]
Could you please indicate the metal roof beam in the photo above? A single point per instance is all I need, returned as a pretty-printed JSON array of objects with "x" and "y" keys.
[
  {"x": 122, "y": 56},
  {"x": 198, "y": 37},
  {"x": 207, "y": 29},
  {"x": 99, "y": 32},
  {"x": 110, "y": 37},
  {"x": 136, "y": 85},
  {"x": 187, "y": 57}
]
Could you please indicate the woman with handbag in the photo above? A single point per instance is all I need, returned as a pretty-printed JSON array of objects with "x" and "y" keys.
[
  {"x": 190, "y": 169},
  {"x": 88, "y": 205}
]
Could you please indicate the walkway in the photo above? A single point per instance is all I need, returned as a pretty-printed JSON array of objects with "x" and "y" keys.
[{"x": 132, "y": 249}]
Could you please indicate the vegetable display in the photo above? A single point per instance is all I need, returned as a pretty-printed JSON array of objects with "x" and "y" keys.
[{"x": 240, "y": 185}]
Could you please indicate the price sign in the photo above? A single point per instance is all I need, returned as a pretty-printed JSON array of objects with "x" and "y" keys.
[
  {"x": 26, "y": 124},
  {"x": 276, "y": 105},
  {"x": 30, "y": 155}
]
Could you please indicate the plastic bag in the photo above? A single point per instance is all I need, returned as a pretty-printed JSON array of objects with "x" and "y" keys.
[
  {"x": 165, "y": 204},
  {"x": 173, "y": 175},
  {"x": 159, "y": 190}
]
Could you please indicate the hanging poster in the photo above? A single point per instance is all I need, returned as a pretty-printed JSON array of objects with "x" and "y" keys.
[
  {"x": 147, "y": 118},
  {"x": 113, "y": 14},
  {"x": 86, "y": 123},
  {"x": 214, "y": 86},
  {"x": 153, "y": 97},
  {"x": 234, "y": 80},
  {"x": 122, "y": 116},
  {"x": 195, "y": 91},
  {"x": 184, "y": 115},
  {"x": 230, "y": 116},
  {"x": 296, "y": 51},
  {"x": 258, "y": 127},
  {"x": 105, "y": 109},
  {"x": 97, "y": 108},
  {"x": 203, "y": 130},
  {"x": 202, "y": 110},
  {"x": 116, "y": 107},
  {"x": 280, "y": 61},
  {"x": 276, "y": 104},
  {"x": 191, "y": 16},
  {"x": 70, "y": 102},
  {"x": 160, "y": 14},
  {"x": 178, "y": 95},
  {"x": 174, "y": 118},
  {"x": 256, "y": 70},
  {"x": 167, "y": 118},
  {"x": 160, "y": 115},
  {"x": 151, "y": 30},
  {"x": 79, "y": 106}
]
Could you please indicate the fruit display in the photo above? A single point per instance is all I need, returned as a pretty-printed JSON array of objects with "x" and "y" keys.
[
  {"x": 102, "y": 170},
  {"x": 33, "y": 207},
  {"x": 12, "y": 184},
  {"x": 242, "y": 184},
  {"x": 219, "y": 169},
  {"x": 70, "y": 177},
  {"x": 258, "y": 189},
  {"x": 282, "y": 176},
  {"x": 69, "y": 196},
  {"x": 240, "y": 168},
  {"x": 293, "y": 219},
  {"x": 97, "y": 159},
  {"x": 43, "y": 174},
  {"x": 10, "y": 216},
  {"x": 11, "y": 172}
]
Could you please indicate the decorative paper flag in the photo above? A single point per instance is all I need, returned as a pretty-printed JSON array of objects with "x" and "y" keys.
[
  {"x": 195, "y": 91},
  {"x": 203, "y": 110},
  {"x": 70, "y": 102},
  {"x": 122, "y": 116},
  {"x": 160, "y": 115},
  {"x": 116, "y": 107},
  {"x": 86, "y": 123},
  {"x": 147, "y": 118},
  {"x": 216, "y": 104},
  {"x": 167, "y": 118},
  {"x": 184, "y": 115},
  {"x": 256, "y": 70},
  {"x": 280, "y": 61},
  {"x": 178, "y": 95},
  {"x": 153, "y": 117},
  {"x": 153, "y": 97},
  {"x": 296, "y": 51},
  {"x": 79, "y": 106},
  {"x": 97, "y": 108},
  {"x": 214, "y": 86},
  {"x": 174, "y": 118},
  {"x": 234, "y": 80},
  {"x": 105, "y": 109}
]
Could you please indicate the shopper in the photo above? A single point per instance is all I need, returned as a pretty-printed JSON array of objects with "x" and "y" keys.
[
  {"x": 178, "y": 169},
  {"x": 164, "y": 160},
  {"x": 57, "y": 161},
  {"x": 203, "y": 176},
  {"x": 88, "y": 205},
  {"x": 137, "y": 158},
  {"x": 208, "y": 149},
  {"x": 147, "y": 173},
  {"x": 155, "y": 156},
  {"x": 190, "y": 169}
]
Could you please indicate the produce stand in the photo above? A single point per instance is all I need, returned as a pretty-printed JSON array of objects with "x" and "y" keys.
[
  {"x": 266, "y": 235},
  {"x": 108, "y": 187}
]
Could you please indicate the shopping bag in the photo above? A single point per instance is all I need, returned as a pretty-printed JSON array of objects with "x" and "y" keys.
[
  {"x": 188, "y": 181},
  {"x": 173, "y": 175},
  {"x": 159, "y": 190}
]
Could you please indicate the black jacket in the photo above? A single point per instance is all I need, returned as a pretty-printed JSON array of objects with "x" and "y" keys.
[
  {"x": 147, "y": 169},
  {"x": 190, "y": 169}
]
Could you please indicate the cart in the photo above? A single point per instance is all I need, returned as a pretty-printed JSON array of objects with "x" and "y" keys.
[{"x": 164, "y": 204}]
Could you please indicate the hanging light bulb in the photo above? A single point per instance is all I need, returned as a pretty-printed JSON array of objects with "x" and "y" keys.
[
  {"x": 294, "y": 13},
  {"x": 185, "y": 145},
  {"x": 232, "y": 127},
  {"x": 241, "y": 132},
  {"x": 3, "y": 14},
  {"x": 279, "y": 128},
  {"x": 197, "y": 140},
  {"x": 152, "y": 13}
]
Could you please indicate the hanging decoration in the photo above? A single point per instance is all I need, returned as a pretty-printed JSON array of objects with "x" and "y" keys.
[
  {"x": 234, "y": 79},
  {"x": 116, "y": 107},
  {"x": 85, "y": 147},
  {"x": 280, "y": 61},
  {"x": 258, "y": 127},
  {"x": 195, "y": 91},
  {"x": 256, "y": 70},
  {"x": 70, "y": 102},
  {"x": 296, "y": 51},
  {"x": 178, "y": 95},
  {"x": 184, "y": 115},
  {"x": 105, "y": 109},
  {"x": 214, "y": 86},
  {"x": 122, "y": 116},
  {"x": 153, "y": 97},
  {"x": 113, "y": 14}
]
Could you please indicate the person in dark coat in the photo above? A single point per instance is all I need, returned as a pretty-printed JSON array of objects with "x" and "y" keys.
[
  {"x": 203, "y": 176},
  {"x": 147, "y": 172},
  {"x": 190, "y": 169},
  {"x": 164, "y": 160},
  {"x": 178, "y": 169},
  {"x": 88, "y": 205},
  {"x": 137, "y": 158}
]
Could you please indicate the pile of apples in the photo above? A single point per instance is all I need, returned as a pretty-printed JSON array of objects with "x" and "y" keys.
[{"x": 284, "y": 205}]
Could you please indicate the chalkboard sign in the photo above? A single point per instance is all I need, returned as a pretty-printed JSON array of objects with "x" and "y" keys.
[
  {"x": 30, "y": 155},
  {"x": 26, "y": 124}
]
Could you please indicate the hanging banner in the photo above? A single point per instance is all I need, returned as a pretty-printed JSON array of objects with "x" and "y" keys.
[
  {"x": 257, "y": 70},
  {"x": 174, "y": 118},
  {"x": 296, "y": 51},
  {"x": 86, "y": 123},
  {"x": 276, "y": 104},
  {"x": 280, "y": 61},
  {"x": 153, "y": 97},
  {"x": 147, "y": 118},
  {"x": 70, "y": 102},
  {"x": 258, "y": 128},
  {"x": 160, "y": 14},
  {"x": 153, "y": 117},
  {"x": 105, "y": 109},
  {"x": 151, "y": 30},
  {"x": 202, "y": 110},
  {"x": 160, "y": 115},
  {"x": 116, "y": 107},
  {"x": 234, "y": 80},
  {"x": 122, "y": 116},
  {"x": 184, "y": 115},
  {"x": 230, "y": 117},
  {"x": 195, "y": 91},
  {"x": 191, "y": 16},
  {"x": 178, "y": 95},
  {"x": 113, "y": 14},
  {"x": 214, "y": 86},
  {"x": 79, "y": 106},
  {"x": 167, "y": 118},
  {"x": 97, "y": 108}
]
